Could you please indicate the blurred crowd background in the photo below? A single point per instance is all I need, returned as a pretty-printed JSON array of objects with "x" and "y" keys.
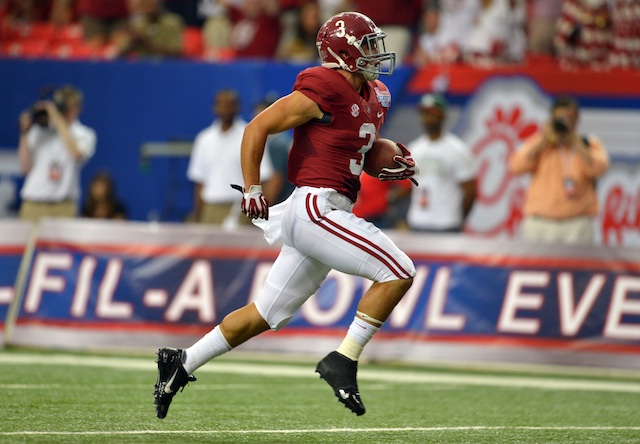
[{"x": 598, "y": 34}]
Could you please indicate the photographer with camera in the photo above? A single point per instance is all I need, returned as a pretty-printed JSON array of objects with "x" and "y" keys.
[
  {"x": 53, "y": 147},
  {"x": 561, "y": 200}
]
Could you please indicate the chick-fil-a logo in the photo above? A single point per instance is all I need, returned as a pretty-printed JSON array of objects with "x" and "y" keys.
[
  {"x": 619, "y": 195},
  {"x": 499, "y": 118}
]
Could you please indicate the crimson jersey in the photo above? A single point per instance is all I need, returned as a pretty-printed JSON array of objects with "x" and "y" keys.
[{"x": 330, "y": 153}]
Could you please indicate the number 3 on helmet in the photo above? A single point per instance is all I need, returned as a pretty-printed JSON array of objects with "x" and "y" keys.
[{"x": 352, "y": 41}]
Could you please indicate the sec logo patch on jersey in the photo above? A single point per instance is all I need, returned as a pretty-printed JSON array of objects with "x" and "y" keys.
[{"x": 355, "y": 110}]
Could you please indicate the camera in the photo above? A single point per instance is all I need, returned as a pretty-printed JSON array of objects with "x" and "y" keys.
[
  {"x": 560, "y": 126},
  {"x": 40, "y": 116}
]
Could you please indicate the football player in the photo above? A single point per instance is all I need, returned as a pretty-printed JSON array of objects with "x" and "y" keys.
[{"x": 336, "y": 111}]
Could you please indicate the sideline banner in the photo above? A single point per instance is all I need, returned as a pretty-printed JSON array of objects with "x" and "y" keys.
[
  {"x": 125, "y": 284},
  {"x": 118, "y": 284},
  {"x": 14, "y": 235}
]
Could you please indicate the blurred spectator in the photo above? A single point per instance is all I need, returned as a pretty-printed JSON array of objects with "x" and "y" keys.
[
  {"x": 63, "y": 12},
  {"x": 187, "y": 9},
  {"x": 53, "y": 146},
  {"x": 454, "y": 21},
  {"x": 498, "y": 34},
  {"x": 625, "y": 18},
  {"x": 215, "y": 165},
  {"x": 256, "y": 28},
  {"x": 447, "y": 186},
  {"x": 300, "y": 46},
  {"x": 26, "y": 11},
  {"x": 217, "y": 28},
  {"x": 542, "y": 25},
  {"x": 584, "y": 34},
  {"x": 151, "y": 31},
  {"x": 289, "y": 20},
  {"x": 278, "y": 147},
  {"x": 398, "y": 21},
  {"x": 101, "y": 201},
  {"x": 101, "y": 19},
  {"x": 426, "y": 47},
  {"x": 15, "y": 14},
  {"x": 561, "y": 200},
  {"x": 329, "y": 8}
]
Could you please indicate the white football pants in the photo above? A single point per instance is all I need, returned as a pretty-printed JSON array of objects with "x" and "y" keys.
[{"x": 320, "y": 233}]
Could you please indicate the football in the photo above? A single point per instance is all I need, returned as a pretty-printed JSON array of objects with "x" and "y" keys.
[{"x": 381, "y": 156}]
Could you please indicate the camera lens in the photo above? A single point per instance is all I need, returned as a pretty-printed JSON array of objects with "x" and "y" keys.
[
  {"x": 560, "y": 126},
  {"x": 40, "y": 117}
]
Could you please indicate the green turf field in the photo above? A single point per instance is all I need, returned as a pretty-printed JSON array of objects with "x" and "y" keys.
[{"x": 72, "y": 398}]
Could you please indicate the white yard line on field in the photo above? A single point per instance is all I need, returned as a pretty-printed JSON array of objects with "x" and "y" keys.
[
  {"x": 316, "y": 431},
  {"x": 378, "y": 375}
]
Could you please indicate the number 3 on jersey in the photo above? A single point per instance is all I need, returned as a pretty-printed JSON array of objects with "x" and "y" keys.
[{"x": 368, "y": 132}]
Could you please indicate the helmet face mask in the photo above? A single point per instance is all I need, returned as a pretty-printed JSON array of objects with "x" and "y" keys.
[
  {"x": 375, "y": 59},
  {"x": 352, "y": 41}
]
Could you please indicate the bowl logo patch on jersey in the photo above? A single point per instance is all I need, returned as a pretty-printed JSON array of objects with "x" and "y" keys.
[{"x": 384, "y": 97}]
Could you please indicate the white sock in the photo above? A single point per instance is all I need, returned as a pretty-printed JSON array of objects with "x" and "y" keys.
[
  {"x": 211, "y": 345},
  {"x": 359, "y": 334}
]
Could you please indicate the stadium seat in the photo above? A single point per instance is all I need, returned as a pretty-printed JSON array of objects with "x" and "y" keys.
[
  {"x": 27, "y": 48},
  {"x": 6, "y": 31},
  {"x": 14, "y": 31},
  {"x": 193, "y": 45},
  {"x": 10, "y": 49},
  {"x": 69, "y": 33},
  {"x": 219, "y": 55},
  {"x": 41, "y": 31},
  {"x": 22, "y": 30},
  {"x": 75, "y": 51}
]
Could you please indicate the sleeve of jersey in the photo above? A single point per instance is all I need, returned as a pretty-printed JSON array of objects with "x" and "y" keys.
[{"x": 316, "y": 87}]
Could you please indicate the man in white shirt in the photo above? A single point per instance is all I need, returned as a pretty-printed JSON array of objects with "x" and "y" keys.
[
  {"x": 455, "y": 22},
  {"x": 447, "y": 186},
  {"x": 215, "y": 165},
  {"x": 53, "y": 147}
]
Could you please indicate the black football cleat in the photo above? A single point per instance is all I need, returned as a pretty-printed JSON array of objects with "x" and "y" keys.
[
  {"x": 171, "y": 377},
  {"x": 340, "y": 373}
]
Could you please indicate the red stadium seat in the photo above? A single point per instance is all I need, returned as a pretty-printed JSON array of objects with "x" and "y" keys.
[
  {"x": 15, "y": 31},
  {"x": 35, "y": 48},
  {"x": 35, "y": 31},
  {"x": 219, "y": 55},
  {"x": 69, "y": 33},
  {"x": 75, "y": 51},
  {"x": 41, "y": 31},
  {"x": 27, "y": 48},
  {"x": 193, "y": 45},
  {"x": 11, "y": 49}
]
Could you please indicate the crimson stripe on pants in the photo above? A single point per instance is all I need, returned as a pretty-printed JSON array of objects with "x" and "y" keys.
[{"x": 343, "y": 233}]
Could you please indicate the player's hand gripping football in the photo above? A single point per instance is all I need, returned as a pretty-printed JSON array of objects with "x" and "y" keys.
[
  {"x": 254, "y": 204},
  {"x": 407, "y": 169}
]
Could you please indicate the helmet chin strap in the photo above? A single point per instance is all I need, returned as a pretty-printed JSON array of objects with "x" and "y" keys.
[
  {"x": 341, "y": 62},
  {"x": 368, "y": 75}
]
